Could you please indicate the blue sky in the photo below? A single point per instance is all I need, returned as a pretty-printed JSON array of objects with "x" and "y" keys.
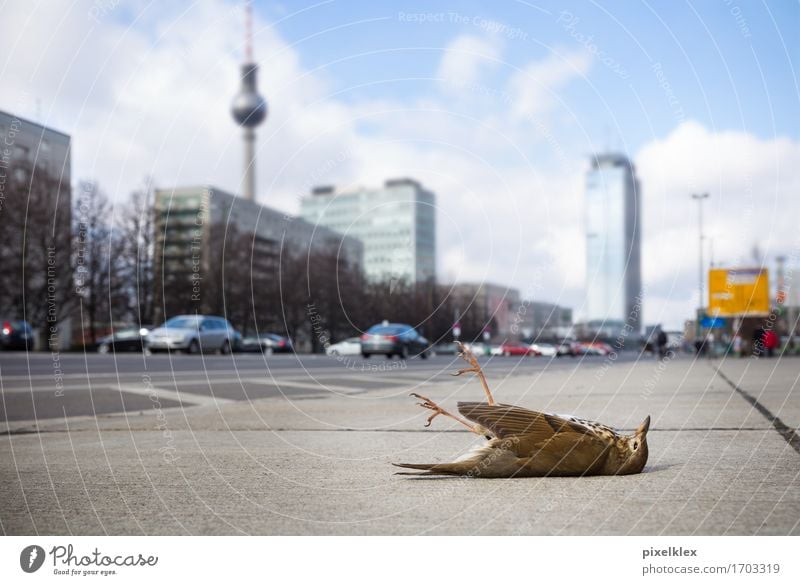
[{"x": 729, "y": 64}]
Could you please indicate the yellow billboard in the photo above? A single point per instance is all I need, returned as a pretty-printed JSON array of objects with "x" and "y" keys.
[{"x": 738, "y": 292}]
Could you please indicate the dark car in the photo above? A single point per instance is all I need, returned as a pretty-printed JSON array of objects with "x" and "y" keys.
[
  {"x": 16, "y": 334},
  {"x": 128, "y": 339},
  {"x": 267, "y": 343},
  {"x": 393, "y": 339}
]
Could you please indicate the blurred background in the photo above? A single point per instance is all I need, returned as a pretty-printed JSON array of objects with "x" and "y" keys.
[{"x": 580, "y": 175}]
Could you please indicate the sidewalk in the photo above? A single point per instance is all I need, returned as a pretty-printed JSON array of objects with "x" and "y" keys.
[{"x": 320, "y": 465}]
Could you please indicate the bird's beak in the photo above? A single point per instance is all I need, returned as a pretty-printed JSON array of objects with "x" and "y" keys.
[{"x": 644, "y": 427}]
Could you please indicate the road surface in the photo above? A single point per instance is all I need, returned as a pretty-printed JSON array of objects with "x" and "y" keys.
[{"x": 288, "y": 445}]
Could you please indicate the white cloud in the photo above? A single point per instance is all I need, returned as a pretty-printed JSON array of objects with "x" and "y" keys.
[
  {"x": 535, "y": 88},
  {"x": 752, "y": 183},
  {"x": 464, "y": 58},
  {"x": 154, "y": 97}
]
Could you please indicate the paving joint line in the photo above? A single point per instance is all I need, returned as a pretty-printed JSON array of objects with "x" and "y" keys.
[
  {"x": 31, "y": 431},
  {"x": 788, "y": 433}
]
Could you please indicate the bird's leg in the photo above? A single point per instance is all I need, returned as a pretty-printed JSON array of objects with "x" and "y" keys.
[
  {"x": 469, "y": 357},
  {"x": 437, "y": 410}
]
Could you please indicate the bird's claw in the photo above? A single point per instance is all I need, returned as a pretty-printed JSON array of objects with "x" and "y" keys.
[
  {"x": 437, "y": 410},
  {"x": 466, "y": 354},
  {"x": 426, "y": 402},
  {"x": 430, "y": 405}
]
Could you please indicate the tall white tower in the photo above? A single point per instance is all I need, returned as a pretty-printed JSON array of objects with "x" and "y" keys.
[
  {"x": 613, "y": 246},
  {"x": 249, "y": 109}
]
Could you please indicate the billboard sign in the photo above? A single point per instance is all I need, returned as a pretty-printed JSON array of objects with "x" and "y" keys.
[
  {"x": 713, "y": 323},
  {"x": 738, "y": 292}
]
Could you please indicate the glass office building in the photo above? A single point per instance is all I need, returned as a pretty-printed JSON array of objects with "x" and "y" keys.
[
  {"x": 396, "y": 224},
  {"x": 613, "y": 247}
]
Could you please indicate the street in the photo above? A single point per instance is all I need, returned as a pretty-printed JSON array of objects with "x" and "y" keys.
[
  {"x": 285, "y": 444},
  {"x": 40, "y": 386}
]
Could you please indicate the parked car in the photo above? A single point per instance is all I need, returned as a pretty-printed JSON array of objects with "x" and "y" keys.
[
  {"x": 509, "y": 348},
  {"x": 267, "y": 343},
  {"x": 544, "y": 349},
  {"x": 393, "y": 339},
  {"x": 350, "y": 346},
  {"x": 193, "y": 334},
  {"x": 445, "y": 349},
  {"x": 568, "y": 347},
  {"x": 479, "y": 348},
  {"x": 127, "y": 339},
  {"x": 16, "y": 334},
  {"x": 597, "y": 348}
]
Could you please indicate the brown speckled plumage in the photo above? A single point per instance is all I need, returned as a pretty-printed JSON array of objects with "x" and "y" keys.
[{"x": 527, "y": 443}]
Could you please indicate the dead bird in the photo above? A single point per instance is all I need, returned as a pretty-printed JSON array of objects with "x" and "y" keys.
[{"x": 527, "y": 443}]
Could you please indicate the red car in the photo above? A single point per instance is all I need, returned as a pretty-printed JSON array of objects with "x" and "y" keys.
[
  {"x": 597, "y": 348},
  {"x": 515, "y": 348}
]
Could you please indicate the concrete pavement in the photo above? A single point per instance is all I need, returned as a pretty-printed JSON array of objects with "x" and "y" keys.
[{"x": 319, "y": 462}]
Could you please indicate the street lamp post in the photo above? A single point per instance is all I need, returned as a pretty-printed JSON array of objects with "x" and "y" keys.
[{"x": 699, "y": 198}]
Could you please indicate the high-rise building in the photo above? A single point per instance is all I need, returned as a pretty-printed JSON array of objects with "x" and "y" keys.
[
  {"x": 613, "y": 247},
  {"x": 198, "y": 231},
  {"x": 396, "y": 224},
  {"x": 30, "y": 147},
  {"x": 35, "y": 237}
]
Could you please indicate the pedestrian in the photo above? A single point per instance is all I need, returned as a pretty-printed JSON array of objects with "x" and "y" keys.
[
  {"x": 758, "y": 342},
  {"x": 771, "y": 342},
  {"x": 710, "y": 340},
  {"x": 737, "y": 345},
  {"x": 661, "y": 341}
]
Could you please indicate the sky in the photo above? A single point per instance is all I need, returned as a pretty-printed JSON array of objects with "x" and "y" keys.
[{"x": 495, "y": 106}]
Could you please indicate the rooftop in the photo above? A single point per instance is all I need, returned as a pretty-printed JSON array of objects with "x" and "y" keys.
[{"x": 28, "y": 122}]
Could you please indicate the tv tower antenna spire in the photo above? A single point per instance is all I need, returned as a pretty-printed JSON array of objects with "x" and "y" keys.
[
  {"x": 249, "y": 108},
  {"x": 248, "y": 31}
]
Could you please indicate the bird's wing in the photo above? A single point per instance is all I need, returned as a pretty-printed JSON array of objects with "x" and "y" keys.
[
  {"x": 508, "y": 421},
  {"x": 558, "y": 445},
  {"x": 567, "y": 453}
]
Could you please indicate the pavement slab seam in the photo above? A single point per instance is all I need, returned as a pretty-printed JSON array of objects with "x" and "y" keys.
[{"x": 789, "y": 434}]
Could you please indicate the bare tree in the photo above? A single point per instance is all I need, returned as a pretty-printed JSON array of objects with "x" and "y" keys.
[
  {"x": 237, "y": 276},
  {"x": 136, "y": 231},
  {"x": 98, "y": 262},
  {"x": 36, "y": 276},
  {"x": 335, "y": 295}
]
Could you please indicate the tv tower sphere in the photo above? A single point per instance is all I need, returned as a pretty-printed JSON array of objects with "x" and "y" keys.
[{"x": 249, "y": 109}]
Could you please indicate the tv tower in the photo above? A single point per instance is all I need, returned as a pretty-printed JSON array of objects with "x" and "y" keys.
[{"x": 249, "y": 109}]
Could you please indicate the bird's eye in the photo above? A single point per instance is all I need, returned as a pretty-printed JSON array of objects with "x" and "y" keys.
[{"x": 635, "y": 445}]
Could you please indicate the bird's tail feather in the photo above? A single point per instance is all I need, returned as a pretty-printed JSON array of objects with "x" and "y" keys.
[{"x": 456, "y": 468}]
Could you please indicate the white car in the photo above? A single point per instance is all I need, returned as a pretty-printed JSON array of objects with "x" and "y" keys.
[
  {"x": 350, "y": 346},
  {"x": 544, "y": 349},
  {"x": 479, "y": 348}
]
